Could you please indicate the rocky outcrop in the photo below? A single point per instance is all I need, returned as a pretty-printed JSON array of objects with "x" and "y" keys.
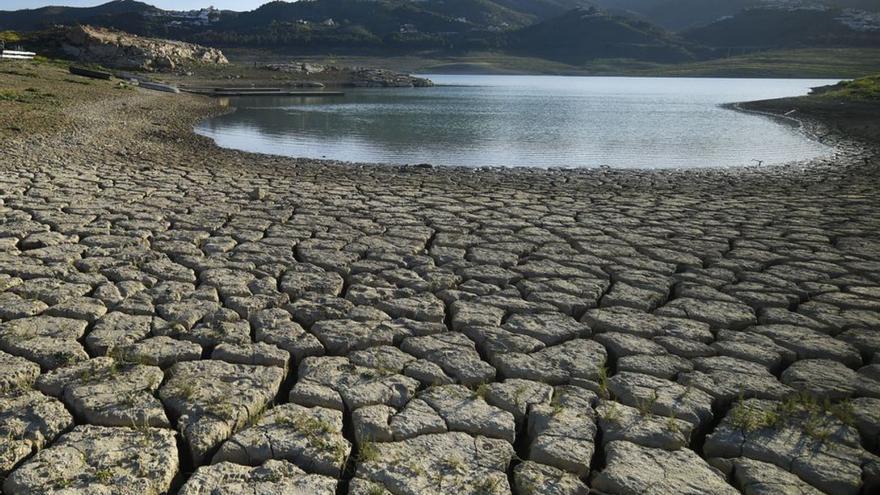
[
  {"x": 358, "y": 77},
  {"x": 127, "y": 51}
]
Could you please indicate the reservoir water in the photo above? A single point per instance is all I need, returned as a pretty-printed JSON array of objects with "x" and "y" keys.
[{"x": 531, "y": 121}]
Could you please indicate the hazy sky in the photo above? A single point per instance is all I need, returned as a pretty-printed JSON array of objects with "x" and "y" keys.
[{"x": 164, "y": 4}]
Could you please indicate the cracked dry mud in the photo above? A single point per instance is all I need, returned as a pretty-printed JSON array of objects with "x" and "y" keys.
[{"x": 179, "y": 318}]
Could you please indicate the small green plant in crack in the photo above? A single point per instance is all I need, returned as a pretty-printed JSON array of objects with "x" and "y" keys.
[
  {"x": 844, "y": 412},
  {"x": 815, "y": 427},
  {"x": 87, "y": 375},
  {"x": 144, "y": 431},
  {"x": 224, "y": 411},
  {"x": 672, "y": 425},
  {"x": 368, "y": 451},
  {"x": 104, "y": 476},
  {"x": 62, "y": 483},
  {"x": 455, "y": 464},
  {"x": 604, "y": 392},
  {"x": 556, "y": 406},
  {"x": 646, "y": 406},
  {"x": 186, "y": 389},
  {"x": 749, "y": 418},
  {"x": 488, "y": 485},
  {"x": 611, "y": 413},
  {"x": 131, "y": 398},
  {"x": 258, "y": 415},
  {"x": 482, "y": 391},
  {"x": 306, "y": 425},
  {"x": 376, "y": 490}
]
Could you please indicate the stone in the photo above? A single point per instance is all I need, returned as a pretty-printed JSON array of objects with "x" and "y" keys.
[
  {"x": 517, "y": 396},
  {"x": 550, "y": 329},
  {"x": 816, "y": 447},
  {"x": 13, "y": 306},
  {"x": 210, "y": 400},
  {"x": 761, "y": 478},
  {"x": 91, "y": 459},
  {"x": 718, "y": 314},
  {"x": 163, "y": 352},
  {"x": 823, "y": 378},
  {"x": 116, "y": 329},
  {"x": 562, "y": 433},
  {"x": 106, "y": 393},
  {"x": 726, "y": 378},
  {"x": 661, "y": 397},
  {"x": 79, "y": 308},
  {"x": 866, "y": 416},
  {"x": 620, "y": 422},
  {"x": 454, "y": 353},
  {"x": 341, "y": 337},
  {"x": 464, "y": 410},
  {"x": 565, "y": 363},
  {"x": 647, "y": 325},
  {"x": 635, "y": 470},
  {"x": 620, "y": 345},
  {"x": 310, "y": 438},
  {"x": 273, "y": 476},
  {"x": 811, "y": 344},
  {"x": 48, "y": 341},
  {"x": 468, "y": 314},
  {"x": 29, "y": 421},
  {"x": 16, "y": 373},
  {"x": 275, "y": 326},
  {"x": 453, "y": 462},
  {"x": 417, "y": 418},
  {"x": 660, "y": 365},
  {"x": 298, "y": 282},
  {"x": 334, "y": 381},
  {"x": 119, "y": 50},
  {"x": 260, "y": 354},
  {"x": 532, "y": 478}
]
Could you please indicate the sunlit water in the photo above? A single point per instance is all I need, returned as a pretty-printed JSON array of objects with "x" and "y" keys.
[{"x": 532, "y": 121}]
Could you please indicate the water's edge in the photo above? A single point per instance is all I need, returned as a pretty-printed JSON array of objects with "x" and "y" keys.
[{"x": 809, "y": 130}]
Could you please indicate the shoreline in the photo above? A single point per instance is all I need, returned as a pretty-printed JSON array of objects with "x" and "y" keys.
[
  {"x": 167, "y": 304},
  {"x": 811, "y": 127}
]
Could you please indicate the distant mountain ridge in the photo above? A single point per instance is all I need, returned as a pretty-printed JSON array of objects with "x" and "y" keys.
[
  {"x": 31, "y": 19},
  {"x": 571, "y": 31},
  {"x": 584, "y": 34},
  {"x": 762, "y": 28},
  {"x": 679, "y": 15}
]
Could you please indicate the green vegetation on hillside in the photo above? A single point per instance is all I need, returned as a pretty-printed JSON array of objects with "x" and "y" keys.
[
  {"x": 865, "y": 88},
  {"x": 10, "y": 37},
  {"x": 509, "y": 36},
  {"x": 814, "y": 63},
  {"x": 772, "y": 28}
]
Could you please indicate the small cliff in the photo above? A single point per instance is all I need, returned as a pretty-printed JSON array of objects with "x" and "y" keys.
[{"x": 127, "y": 51}]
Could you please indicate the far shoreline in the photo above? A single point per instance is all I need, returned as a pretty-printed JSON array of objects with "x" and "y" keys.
[{"x": 812, "y": 127}]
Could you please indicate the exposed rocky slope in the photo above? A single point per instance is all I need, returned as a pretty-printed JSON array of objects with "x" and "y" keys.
[
  {"x": 355, "y": 76},
  {"x": 126, "y": 51}
]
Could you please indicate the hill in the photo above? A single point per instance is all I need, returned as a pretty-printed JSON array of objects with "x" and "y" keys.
[
  {"x": 115, "y": 12},
  {"x": 783, "y": 28},
  {"x": 679, "y": 15},
  {"x": 586, "y": 34},
  {"x": 570, "y": 32}
]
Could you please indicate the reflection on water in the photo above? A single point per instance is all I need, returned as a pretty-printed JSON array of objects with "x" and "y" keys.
[{"x": 533, "y": 121}]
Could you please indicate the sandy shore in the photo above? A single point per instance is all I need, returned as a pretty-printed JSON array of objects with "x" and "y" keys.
[{"x": 178, "y": 317}]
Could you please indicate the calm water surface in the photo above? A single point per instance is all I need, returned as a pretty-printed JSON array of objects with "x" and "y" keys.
[{"x": 532, "y": 121}]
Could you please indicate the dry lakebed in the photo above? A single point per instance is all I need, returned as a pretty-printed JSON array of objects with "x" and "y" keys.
[{"x": 180, "y": 318}]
